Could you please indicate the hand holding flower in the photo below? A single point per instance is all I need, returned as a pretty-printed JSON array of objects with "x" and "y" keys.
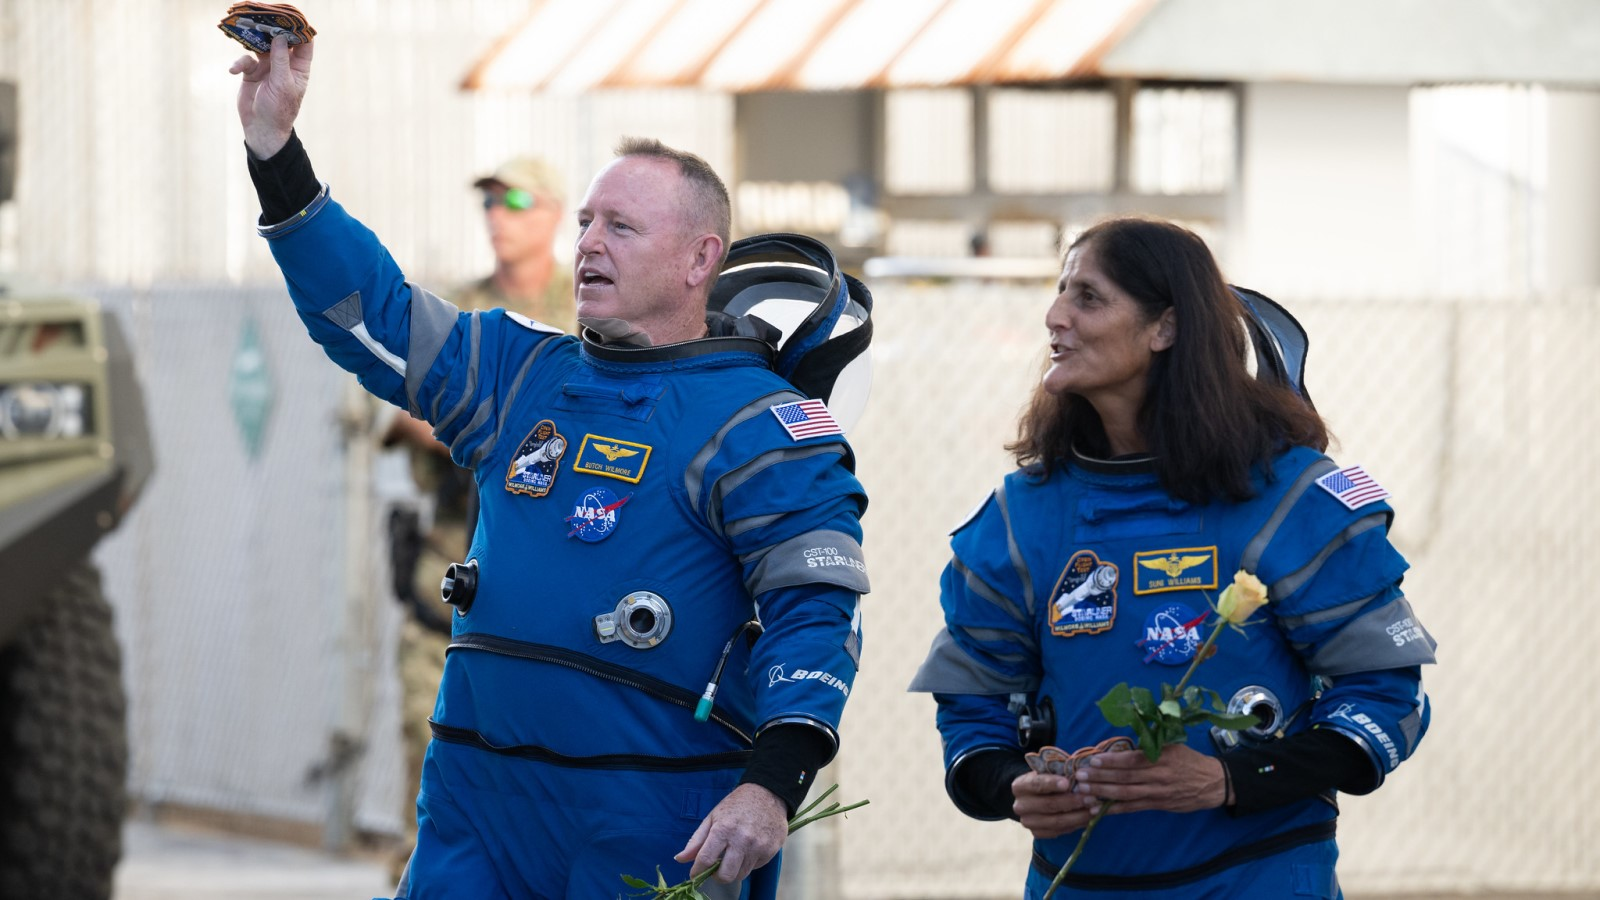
[
  {"x": 1180, "y": 780},
  {"x": 1047, "y": 805},
  {"x": 689, "y": 889},
  {"x": 1163, "y": 773}
]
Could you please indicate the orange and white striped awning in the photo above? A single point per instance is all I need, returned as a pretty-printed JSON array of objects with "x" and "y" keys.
[{"x": 802, "y": 45}]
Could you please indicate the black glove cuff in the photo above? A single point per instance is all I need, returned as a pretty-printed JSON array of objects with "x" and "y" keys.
[
  {"x": 786, "y": 761},
  {"x": 981, "y": 782},
  {"x": 285, "y": 182},
  {"x": 1298, "y": 767}
]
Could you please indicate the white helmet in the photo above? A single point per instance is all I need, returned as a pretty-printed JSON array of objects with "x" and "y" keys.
[{"x": 818, "y": 318}]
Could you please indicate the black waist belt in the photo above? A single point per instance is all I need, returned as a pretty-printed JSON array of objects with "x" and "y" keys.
[
  {"x": 1310, "y": 834},
  {"x": 733, "y": 759},
  {"x": 572, "y": 659}
]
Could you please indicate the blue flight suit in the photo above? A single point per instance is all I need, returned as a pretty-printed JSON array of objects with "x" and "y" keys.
[
  {"x": 563, "y": 756},
  {"x": 1063, "y": 587}
]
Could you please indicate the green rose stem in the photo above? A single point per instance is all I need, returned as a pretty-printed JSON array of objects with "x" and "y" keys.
[
  {"x": 1200, "y": 656},
  {"x": 1088, "y": 829},
  {"x": 688, "y": 890},
  {"x": 1105, "y": 806}
]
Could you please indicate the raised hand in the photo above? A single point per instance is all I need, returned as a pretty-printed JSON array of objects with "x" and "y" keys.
[{"x": 270, "y": 93}]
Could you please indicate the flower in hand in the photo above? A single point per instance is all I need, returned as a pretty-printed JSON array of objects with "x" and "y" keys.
[
  {"x": 690, "y": 889},
  {"x": 1160, "y": 723}
]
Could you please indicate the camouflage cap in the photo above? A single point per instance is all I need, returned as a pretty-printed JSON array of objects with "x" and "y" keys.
[{"x": 529, "y": 174}]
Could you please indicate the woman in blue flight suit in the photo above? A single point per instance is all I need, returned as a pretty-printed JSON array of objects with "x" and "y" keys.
[{"x": 1154, "y": 466}]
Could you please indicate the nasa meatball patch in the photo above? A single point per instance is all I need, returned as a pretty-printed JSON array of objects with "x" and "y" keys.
[
  {"x": 1085, "y": 598},
  {"x": 595, "y": 515},
  {"x": 1171, "y": 634}
]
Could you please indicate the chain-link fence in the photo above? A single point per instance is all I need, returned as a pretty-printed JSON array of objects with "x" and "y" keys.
[{"x": 254, "y": 642}]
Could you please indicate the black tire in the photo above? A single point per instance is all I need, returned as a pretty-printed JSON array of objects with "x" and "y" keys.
[{"x": 63, "y": 748}]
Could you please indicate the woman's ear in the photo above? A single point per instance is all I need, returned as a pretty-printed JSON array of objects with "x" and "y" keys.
[{"x": 1166, "y": 332}]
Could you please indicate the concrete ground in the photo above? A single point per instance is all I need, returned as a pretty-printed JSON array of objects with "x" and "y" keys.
[
  {"x": 166, "y": 861},
  {"x": 177, "y": 861}
]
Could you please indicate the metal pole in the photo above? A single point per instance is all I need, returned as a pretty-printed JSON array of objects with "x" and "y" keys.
[{"x": 347, "y": 738}]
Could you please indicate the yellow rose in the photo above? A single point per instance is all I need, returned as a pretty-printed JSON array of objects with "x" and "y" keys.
[{"x": 1242, "y": 598}]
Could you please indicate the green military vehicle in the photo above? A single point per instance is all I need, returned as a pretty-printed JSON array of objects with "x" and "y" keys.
[{"x": 74, "y": 454}]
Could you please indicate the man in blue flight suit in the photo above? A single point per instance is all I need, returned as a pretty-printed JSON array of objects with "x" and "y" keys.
[{"x": 649, "y": 493}]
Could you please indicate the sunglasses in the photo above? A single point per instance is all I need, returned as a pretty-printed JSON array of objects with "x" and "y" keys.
[{"x": 515, "y": 199}]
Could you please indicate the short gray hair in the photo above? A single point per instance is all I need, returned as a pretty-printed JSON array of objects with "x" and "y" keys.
[{"x": 710, "y": 207}]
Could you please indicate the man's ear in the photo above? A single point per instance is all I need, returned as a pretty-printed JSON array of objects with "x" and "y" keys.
[
  {"x": 705, "y": 259},
  {"x": 1166, "y": 331}
]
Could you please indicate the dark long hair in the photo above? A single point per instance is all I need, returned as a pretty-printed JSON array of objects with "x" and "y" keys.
[{"x": 1206, "y": 420}]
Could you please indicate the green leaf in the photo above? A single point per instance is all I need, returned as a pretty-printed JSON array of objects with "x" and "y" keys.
[
  {"x": 1117, "y": 706},
  {"x": 1172, "y": 731},
  {"x": 1233, "y": 723},
  {"x": 1170, "y": 709},
  {"x": 637, "y": 882},
  {"x": 1144, "y": 703},
  {"x": 1147, "y": 741},
  {"x": 1192, "y": 695}
]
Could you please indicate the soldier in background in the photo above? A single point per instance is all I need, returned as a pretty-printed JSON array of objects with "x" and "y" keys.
[{"x": 523, "y": 202}]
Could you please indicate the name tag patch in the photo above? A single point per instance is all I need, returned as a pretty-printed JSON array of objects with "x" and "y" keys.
[
  {"x": 612, "y": 458},
  {"x": 1181, "y": 569}
]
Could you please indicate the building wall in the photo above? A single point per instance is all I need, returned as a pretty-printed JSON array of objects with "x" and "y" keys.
[
  {"x": 1573, "y": 224},
  {"x": 1326, "y": 191}
]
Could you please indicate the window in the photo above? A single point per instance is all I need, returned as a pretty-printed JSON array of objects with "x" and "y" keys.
[
  {"x": 928, "y": 142},
  {"x": 1052, "y": 142},
  {"x": 1183, "y": 140}
]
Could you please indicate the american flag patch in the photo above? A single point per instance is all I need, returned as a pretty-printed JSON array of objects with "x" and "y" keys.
[
  {"x": 1353, "y": 487},
  {"x": 806, "y": 419}
]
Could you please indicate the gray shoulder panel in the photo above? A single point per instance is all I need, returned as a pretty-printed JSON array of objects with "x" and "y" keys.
[
  {"x": 817, "y": 557},
  {"x": 432, "y": 319},
  {"x": 1389, "y": 637},
  {"x": 950, "y": 670}
]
